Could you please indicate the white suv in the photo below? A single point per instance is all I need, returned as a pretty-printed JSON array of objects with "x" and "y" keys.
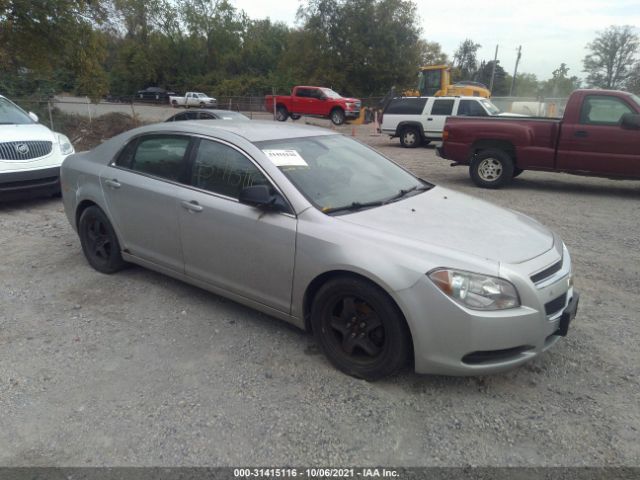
[
  {"x": 30, "y": 153},
  {"x": 419, "y": 120}
]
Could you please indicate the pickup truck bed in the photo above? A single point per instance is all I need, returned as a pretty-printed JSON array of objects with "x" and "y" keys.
[{"x": 599, "y": 135}]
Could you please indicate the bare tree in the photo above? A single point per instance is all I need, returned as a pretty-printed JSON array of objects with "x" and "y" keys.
[{"x": 611, "y": 58}]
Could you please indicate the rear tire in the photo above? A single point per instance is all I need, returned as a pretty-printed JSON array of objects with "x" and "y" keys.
[
  {"x": 360, "y": 328},
  {"x": 174, "y": 104},
  {"x": 491, "y": 168},
  {"x": 282, "y": 114},
  {"x": 410, "y": 137},
  {"x": 99, "y": 241}
]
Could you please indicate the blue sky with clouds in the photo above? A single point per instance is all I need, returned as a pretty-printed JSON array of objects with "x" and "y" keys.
[{"x": 550, "y": 31}]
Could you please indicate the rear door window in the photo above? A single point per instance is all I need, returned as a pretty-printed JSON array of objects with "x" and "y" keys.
[
  {"x": 159, "y": 155},
  {"x": 442, "y": 107}
]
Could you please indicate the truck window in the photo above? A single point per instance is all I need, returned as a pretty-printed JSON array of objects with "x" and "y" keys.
[
  {"x": 406, "y": 106},
  {"x": 303, "y": 92},
  {"x": 603, "y": 110},
  {"x": 442, "y": 107},
  {"x": 471, "y": 108}
]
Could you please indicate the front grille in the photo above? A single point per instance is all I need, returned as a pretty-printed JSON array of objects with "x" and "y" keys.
[
  {"x": 547, "y": 272},
  {"x": 554, "y": 306},
  {"x": 24, "y": 150}
]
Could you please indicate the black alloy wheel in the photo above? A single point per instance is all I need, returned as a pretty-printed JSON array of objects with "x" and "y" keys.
[
  {"x": 360, "y": 328},
  {"x": 99, "y": 242}
]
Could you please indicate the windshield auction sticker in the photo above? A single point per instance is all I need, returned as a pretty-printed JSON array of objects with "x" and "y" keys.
[{"x": 285, "y": 158}]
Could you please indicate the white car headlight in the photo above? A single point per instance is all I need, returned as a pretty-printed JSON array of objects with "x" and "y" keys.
[
  {"x": 476, "y": 291},
  {"x": 66, "y": 148}
]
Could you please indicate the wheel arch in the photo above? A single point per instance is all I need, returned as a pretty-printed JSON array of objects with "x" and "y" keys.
[
  {"x": 82, "y": 206},
  {"x": 496, "y": 144},
  {"x": 402, "y": 125}
]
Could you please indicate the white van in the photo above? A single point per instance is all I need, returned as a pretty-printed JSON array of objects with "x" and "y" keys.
[
  {"x": 419, "y": 120},
  {"x": 30, "y": 154}
]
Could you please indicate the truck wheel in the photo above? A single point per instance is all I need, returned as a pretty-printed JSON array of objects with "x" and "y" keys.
[
  {"x": 201, "y": 104},
  {"x": 295, "y": 116},
  {"x": 282, "y": 114},
  {"x": 491, "y": 168},
  {"x": 174, "y": 103},
  {"x": 410, "y": 137},
  {"x": 337, "y": 116}
]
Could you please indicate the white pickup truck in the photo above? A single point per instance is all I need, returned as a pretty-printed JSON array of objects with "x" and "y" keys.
[
  {"x": 194, "y": 99},
  {"x": 419, "y": 120}
]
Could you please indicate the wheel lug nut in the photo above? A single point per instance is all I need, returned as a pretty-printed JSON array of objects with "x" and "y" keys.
[
  {"x": 362, "y": 325},
  {"x": 362, "y": 335},
  {"x": 353, "y": 334},
  {"x": 349, "y": 325},
  {"x": 353, "y": 319}
]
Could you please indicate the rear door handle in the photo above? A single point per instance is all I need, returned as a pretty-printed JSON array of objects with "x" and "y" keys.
[
  {"x": 581, "y": 133},
  {"x": 113, "y": 183},
  {"x": 192, "y": 206}
]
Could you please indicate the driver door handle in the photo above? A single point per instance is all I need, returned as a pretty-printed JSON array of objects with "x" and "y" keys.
[
  {"x": 113, "y": 183},
  {"x": 192, "y": 206},
  {"x": 429, "y": 119}
]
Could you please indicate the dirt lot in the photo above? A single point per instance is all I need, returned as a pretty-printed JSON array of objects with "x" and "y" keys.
[{"x": 139, "y": 369}]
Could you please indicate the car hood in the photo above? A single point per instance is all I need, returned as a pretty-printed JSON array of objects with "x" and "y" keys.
[
  {"x": 452, "y": 220},
  {"x": 26, "y": 132}
]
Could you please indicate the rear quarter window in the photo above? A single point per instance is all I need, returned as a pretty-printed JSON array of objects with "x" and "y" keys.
[{"x": 406, "y": 106}]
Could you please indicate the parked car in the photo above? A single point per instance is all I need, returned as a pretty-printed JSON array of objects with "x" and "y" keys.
[
  {"x": 321, "y": 231},
  {"x": 154, "y": 94},
  {"x": 196, "y": 114},
  {"x": 420, "y": 120},
  {"x": 194, "y": 99},
  {"x": 313, "y": 101},
  {"x": 30, "y": 154},
  {"x": 599, "y": 135}
]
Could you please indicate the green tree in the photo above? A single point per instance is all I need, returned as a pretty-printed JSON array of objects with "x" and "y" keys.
[
  {"x": 431, "y": 53},
  {"x": 611, "y": 57},
  {"x": 465, "y": 60},
  {"x": 560, "y": 84}
]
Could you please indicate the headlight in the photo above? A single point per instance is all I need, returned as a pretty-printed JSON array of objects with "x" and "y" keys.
[
  {"x": 475, "y": 291},
  {"x": 65, "y": 145}
]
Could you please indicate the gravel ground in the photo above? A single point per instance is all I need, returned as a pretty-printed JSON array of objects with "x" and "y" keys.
[{"x": 140, "y": 369}]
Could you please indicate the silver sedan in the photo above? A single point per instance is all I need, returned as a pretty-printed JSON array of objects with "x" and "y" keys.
[{"x": 321, "y": 231}]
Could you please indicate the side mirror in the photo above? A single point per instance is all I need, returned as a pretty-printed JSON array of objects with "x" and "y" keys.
[
  {"x": 33, "y": 117},
  {"x": 630, "y": 121},
  {"x": 257, "y": 196}
]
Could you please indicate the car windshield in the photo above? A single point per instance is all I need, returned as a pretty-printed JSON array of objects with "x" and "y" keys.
[
  {"x": 330, "y": 93},
  {"x": 11, "y": 114},
  {"x": 490, "y": 107},
  {"x": 336, "y": 173}
]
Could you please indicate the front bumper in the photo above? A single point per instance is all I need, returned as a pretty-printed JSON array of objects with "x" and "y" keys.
[
  {"x": 452, "y": 340},
  {"x": 352, "y": 113},
  {"x": 26, "y": 183}
]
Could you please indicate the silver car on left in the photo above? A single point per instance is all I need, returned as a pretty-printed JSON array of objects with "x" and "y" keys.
[{"x": 324, "y": 232}]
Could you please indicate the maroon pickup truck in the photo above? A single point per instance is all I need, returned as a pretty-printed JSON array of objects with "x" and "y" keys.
[
  {"x": 599, "y": 135},
  {"x": 313, "y": 101}
]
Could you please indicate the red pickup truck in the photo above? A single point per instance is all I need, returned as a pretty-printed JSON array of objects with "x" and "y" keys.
[
  {"x": 313, "y": 101},
  {"x": 599, "y": 135}
]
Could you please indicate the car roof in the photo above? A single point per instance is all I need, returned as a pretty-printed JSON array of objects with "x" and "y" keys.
[{"x": 253, "y": 131}]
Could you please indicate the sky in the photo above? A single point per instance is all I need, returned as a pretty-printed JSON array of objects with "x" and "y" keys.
[{"x": 550, "y": 31}]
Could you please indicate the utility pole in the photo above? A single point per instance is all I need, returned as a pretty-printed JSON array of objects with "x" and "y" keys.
[
  {"x": 493, "y": 70},
  {"x": 515, "y": 71}
]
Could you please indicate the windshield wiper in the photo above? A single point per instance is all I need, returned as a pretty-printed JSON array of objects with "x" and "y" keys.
[
  {"x": 353, "y": 206},
  {"x": 405, "y": 191}
]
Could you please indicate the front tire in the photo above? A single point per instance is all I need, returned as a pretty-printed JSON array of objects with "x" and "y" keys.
[
  {"x": 360, "y": 329},
  {"x": 491, "y": 168},
  {"x": 99, "y": 241},
  {"x": 410, "y": 137},
  {"x": 337, "y": 116}
]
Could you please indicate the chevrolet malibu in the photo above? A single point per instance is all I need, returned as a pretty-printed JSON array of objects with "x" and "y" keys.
[{"x": 314, "y": 228}]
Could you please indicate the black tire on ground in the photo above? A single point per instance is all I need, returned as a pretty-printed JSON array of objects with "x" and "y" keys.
[
  {"x": 360, "y": 329},
  {"x": 174, "y": 103},
  {"x": 99, "y": 242},
  {"x": 295, "y": 116},
  {"x": 491, "y": 168},
  {"x": 410, "y": 137},
  {"x": 337, "y": 116},
  {"x": 202, "y": 105},
  {"x": 517, "y": 171},
  {"x": 282, "y": 114}
]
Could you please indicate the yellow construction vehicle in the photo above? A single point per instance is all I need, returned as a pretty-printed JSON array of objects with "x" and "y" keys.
[{"x": 435, "y": 80}]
